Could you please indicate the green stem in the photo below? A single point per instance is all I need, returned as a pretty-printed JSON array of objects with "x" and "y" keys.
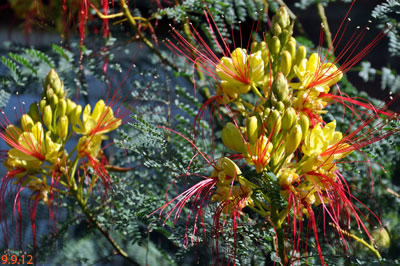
[
  {"x": 327, "y": 32},
  {"x": 359, "y": 240}
]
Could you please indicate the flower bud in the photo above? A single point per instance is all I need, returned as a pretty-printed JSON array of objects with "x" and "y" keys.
[
  {"x": 289, "y": 118},
  {"x": 70, "y": 106},
  {"x": 280, "y": 106},
  {"x": 34, "y": 112},
  {"x": 266, "y": 112},
  {"x": 62, "y": 127},
  {"x": 232, "y": 138},
  {"x": 280, "y": 87},
  {"x": 49, "y": 92},
  {"x": 75, "y": 115},
  {"x": 291, "y": 47},
  {"x": 304, "y": 123},
  {"x": 42, "y": 105},
  {"x": 381, "y": 238},
  {"x": 62, "y": 107},
  {"x": 55, "y": 83},
  {"x": 48, "y": 116},
  {"x": 283, "y": 17},
  {"x": 286, "y": 63},
  {"x": 252, "y": 129},
  {"x": 301, "y": 53},
  {"x": 54, "y": 101},
  {"x": 26, "y": 123},
  {"x": 276, "y": 29},
  {"x": 284, "y": 37},
  {"x": 293, "y": 139},
  {"x": 274, "y": 122},
  {"x": 275, "y": 45},
  {"x": 255, "y": 46}
]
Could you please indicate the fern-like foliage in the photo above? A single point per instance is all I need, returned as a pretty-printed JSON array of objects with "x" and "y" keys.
[{"x": 388, "y": 14}]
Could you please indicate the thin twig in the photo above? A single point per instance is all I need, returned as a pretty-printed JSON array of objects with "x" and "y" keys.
[
  {"x": 94, "y": 221},
  {"x": 394, "y": 193},
  {"x": 324, "y": 20}
]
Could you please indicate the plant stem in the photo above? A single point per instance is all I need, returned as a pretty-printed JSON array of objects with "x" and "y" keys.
[
  {"x": 94, "y": 221},
  {"x": 277, "y": 223},
  {"x": 359, "y": 240},
  {"x": 327, "y": 32}
]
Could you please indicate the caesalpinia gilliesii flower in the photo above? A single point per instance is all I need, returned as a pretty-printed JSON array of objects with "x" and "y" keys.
[
  {"x": 38, "y": 159},
  {"x": 289, "y": 153}
]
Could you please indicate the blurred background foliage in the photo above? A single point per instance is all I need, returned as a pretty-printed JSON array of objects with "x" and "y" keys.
[{"x": 39, "y": 35}]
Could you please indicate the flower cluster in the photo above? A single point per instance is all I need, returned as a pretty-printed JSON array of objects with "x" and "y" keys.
[
  {"x": 276, "y": 96},
  {"x": 38, "y": 158}
]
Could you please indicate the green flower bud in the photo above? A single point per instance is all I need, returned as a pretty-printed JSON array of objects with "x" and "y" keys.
[
  {"x": 280, "y": 106},
  {"x": 266, "y": 112},
  {"x": 276, "y": 29},
  {"x": 301, "y": 53},
  {"x": 232, "y": 138},
  {"x": 75, "y": 115},
  {"x": 304, "y": 123},
  {"x": 280, "y": 87},
  {"x": 275, "y": 45},
  {"x": 286, "y": 63},
  {"x": 54, "y": 101},
  {"x": 289, "y": 118},
  {"x": 284, "y": 37},
  {"x": 42, "y": 105},
  {"x": 293, "y": 140},
  {"x": 62, "y": 107},
  {"x": 274, "y": 122},
  {"x": 26, "y": 123},
  {"x": 48, "y": 116},
  {"x": 34, "y": 112},
  {"x": 283, "y": 17},
  {"x": 252, "y": 129},
  {"x": 70, "y": 106},
  {"x": 62, "y": 127},
  {"x": 381, "y": 238},
  {"x": 255, "y": 46},
  {"x": 49, "y": 92},
  {"x": 55, "y": 83},
  {"x": 291, "y": 47}
]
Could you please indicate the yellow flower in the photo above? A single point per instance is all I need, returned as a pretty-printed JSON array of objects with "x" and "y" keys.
[
  {"x": 240, "y": 71},
  {"x": 315, "y": 79},
  {"x": 320, "y": 145},
  {"x": 313, "y": 74},
  {"x": 100, "y": 121},
  {"x": 32, "y": 149},
  {"x": 89, "y": 146},
  {"x": 226, "y": 170},
  {"x": 319, "y": 139}
]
